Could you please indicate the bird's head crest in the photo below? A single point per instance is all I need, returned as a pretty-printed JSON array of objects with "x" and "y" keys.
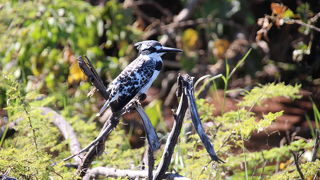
[{"x": 152, "y": 46}]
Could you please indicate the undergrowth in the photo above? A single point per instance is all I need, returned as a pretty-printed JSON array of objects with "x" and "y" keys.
[
  {"x": 37, "y": 144},
  {"x": 38, "y": 69}
]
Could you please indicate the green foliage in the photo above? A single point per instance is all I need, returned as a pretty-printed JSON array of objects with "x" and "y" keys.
[
  {"x": 206, "y": 109},
  {"x": 118, "y": 153},
  {"x": 117, "y": 29},
  {"x": 230, "y": 132},
  {"x": 37, "y": 143},
  {"x": 29, "y": 154},
  {"x": 40, "y": 42},
  {"x": 25, "y": 164},
  {"x": 309, "y": 169},
  {"x": 272, "y": 155},
  {"x": 244, "y": 123},
  {"x": 258, "y": 94},
  {"x": 153, "y": 111},
  {"x": 36, "y": 31}
]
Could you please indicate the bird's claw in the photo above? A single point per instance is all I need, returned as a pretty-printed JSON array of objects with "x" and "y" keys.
[{"x": 142, "y": 97}]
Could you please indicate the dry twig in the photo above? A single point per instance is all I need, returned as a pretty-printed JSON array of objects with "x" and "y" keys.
[
  {"x": 65, "y": 128},
  {"x": 174, "y": 134},
  {"x": 296, "y": 162},
  {"x": 98, "y": 147},
  {"x": 188, "y": 10},
  {"x": 92, "y": 75},
  {"x": 132, "y": 174},
  {"x": 150, "y": 162},
  {"x": 185, "y": 90},
  {"x": 197, "y": 122},
  {"x": 151, "y": 134}
]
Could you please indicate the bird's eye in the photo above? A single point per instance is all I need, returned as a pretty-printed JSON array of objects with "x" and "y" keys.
[{"x": 152, "y": 49}]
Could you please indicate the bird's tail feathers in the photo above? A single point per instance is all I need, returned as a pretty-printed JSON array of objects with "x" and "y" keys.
[{"x": 104, "y": 108}]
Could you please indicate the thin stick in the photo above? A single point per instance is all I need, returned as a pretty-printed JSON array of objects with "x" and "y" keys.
[
  {"x": 65, "y": 128},
  {"x": 87, "y": 68},
  {"x": 295, "y": 21},
  {"x": 296, "y": 162},
  {"x": 131, "y": 174},
  {"x": 174, "y": 134},
  {"x": 34, "y": 137},
  {"x": 188, "y": 11},
  {"x": 150, "y": 163},
  {"x": 98, "y": 148},
  {"x": 105, "y": 132},
  {"x": 151, "y": 134},
  {"x": 197, "y": 122}
]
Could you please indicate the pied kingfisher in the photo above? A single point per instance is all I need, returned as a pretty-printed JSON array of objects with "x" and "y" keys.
[{"x": 137, "y": 77}]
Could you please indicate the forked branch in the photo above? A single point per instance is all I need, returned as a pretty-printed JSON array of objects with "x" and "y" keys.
[{"x": 96, "y": 147}]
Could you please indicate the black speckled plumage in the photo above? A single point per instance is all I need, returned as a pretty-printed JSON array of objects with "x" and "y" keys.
[
  {"x": 137, "y": 77},
  {"x": 127, "y": 85}
]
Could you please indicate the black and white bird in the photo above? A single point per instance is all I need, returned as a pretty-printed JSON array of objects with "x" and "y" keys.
[{"x": 137, "y": 77}]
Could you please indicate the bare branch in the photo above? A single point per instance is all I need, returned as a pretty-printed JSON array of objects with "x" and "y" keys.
[
  {"x": 132, "y": 4},
  {"x": 111, "y": 124},
  {"x": 188, "y": 10},
  {"x": 164, "y": 11},
  {"x": 315, "y": 18},
  {"x": 151, "y": 134},
  {"x": 150, "y": 162},
  {"x": 132, "y": 174},
  {"x": 5, "y": 177},
  {"x": 184, "y": 14},
  {"x": 295, "y": 21},
  {"x": 91, "y": 73},
  {"x": 65, "y": 128},
  {"x": 296, "y": 162},
  {"x": 98, "y": 147},
  {"x": 175, "y": 132},
  {"x": 197, "y": 122}
]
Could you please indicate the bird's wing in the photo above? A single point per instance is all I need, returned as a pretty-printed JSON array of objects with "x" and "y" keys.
[
  {"x": 132, "y": 79},
  {"x": 126, "y": 86}
]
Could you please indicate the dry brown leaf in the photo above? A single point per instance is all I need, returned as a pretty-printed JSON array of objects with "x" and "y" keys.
[
  {"x": 278, "y": 9},
  {"x": 220, "y": 47}
]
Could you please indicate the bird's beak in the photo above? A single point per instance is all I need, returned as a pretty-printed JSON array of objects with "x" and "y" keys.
[{"x": 168, "y": 49}]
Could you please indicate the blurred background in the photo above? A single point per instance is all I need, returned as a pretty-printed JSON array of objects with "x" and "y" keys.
[{"x": 40, "y": 41}]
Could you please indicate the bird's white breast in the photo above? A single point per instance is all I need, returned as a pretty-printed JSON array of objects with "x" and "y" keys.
[
  {"x": 147, "y": 86},
  {"x": 152, "y": 57}
]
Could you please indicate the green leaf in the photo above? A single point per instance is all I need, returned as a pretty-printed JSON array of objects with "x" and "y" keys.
[
  {"x": 153, "y": 111},
  {"x": 288, "y": 14}
]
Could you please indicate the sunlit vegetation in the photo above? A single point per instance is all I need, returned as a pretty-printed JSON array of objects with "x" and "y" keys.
[{"x": 236, "y": 52}]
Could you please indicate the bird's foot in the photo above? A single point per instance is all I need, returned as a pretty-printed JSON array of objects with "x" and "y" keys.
[{"x": 142, "y": 97}]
